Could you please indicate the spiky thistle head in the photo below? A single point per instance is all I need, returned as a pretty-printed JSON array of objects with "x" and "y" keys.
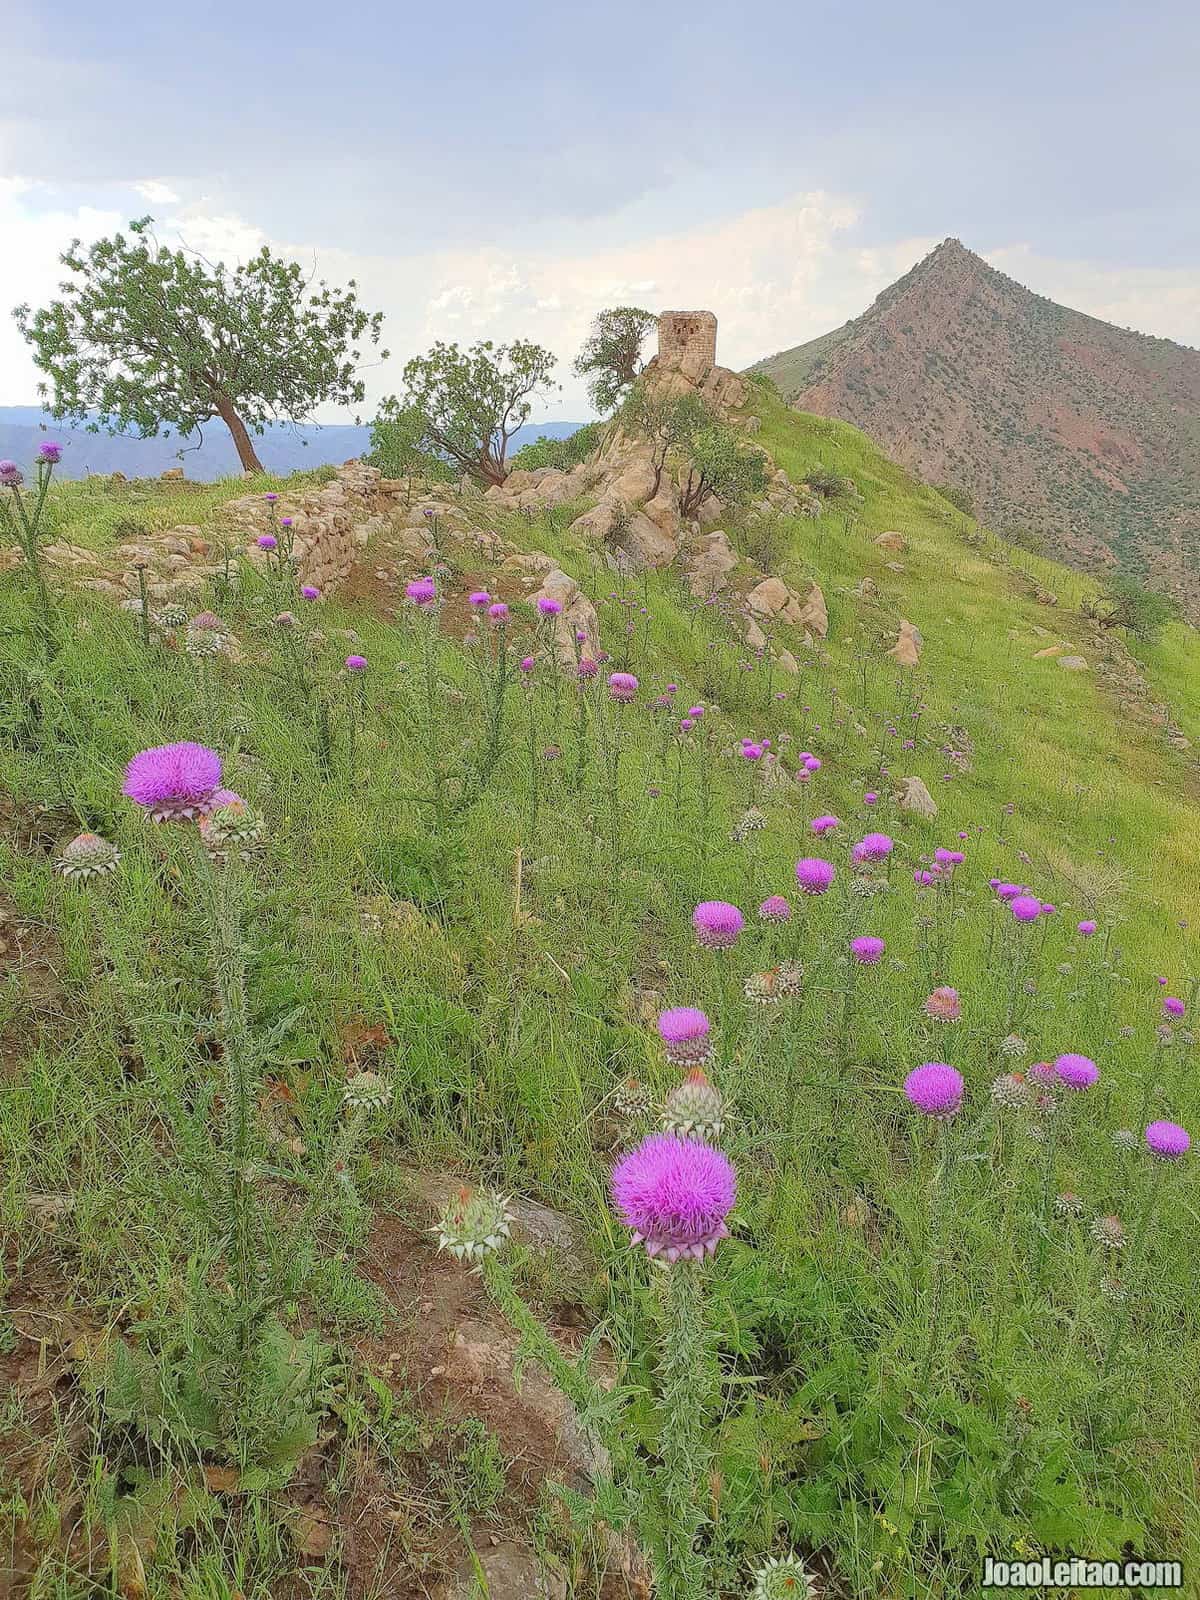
[
  {"x": 474, "y": 1223},
  {"x": 632, "y": 1099},
  {"x": 367, "y": 1091},
  {"x": 174, "y": 782},
  {"x": 232, "y": 827},
  {"x": 783, "y": 1578},
  {"x": 87, "y": 856},
  {"x": 694, "y": 1109},
  {"x": 674, "y": 1195}
]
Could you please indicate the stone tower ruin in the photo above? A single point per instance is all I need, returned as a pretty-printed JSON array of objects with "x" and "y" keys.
[{"x": 687, "y": 340}]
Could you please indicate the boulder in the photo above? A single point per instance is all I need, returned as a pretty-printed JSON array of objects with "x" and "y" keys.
[
  {"x": 577, "y": 612},
  {"x": 915, "y": 797},
  {"x": 892, "y": 541},
  {"x": 752, "y": 424},
  {"x": 907, "y": 648},
  {"x": 510, "y": 1572},
  {"x": 1050, "y": 650},
  {"x": 772, "y": 598},
  {"x": 711, "y": 561},
  {"x": 1073, "y": 663},
  {"x": 634, "y": 483},
  {"x": 813, "y": 613}
]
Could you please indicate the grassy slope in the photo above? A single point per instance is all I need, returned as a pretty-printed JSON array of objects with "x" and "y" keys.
[
  {"x": 790, "y": 369},
  {"x": 508, "y": 1031}
]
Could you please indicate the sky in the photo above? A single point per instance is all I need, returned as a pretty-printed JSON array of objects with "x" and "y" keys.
[{"x": 508, "y": 171}]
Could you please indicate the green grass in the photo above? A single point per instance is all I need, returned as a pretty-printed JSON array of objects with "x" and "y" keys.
[{"x": 506, "y": 1025}]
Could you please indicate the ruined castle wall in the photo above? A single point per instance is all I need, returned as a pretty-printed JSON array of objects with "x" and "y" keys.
[{"x": 687, "y": 337}]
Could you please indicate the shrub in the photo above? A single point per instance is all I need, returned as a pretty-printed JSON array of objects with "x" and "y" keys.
[{"x": 561, "y": 453}]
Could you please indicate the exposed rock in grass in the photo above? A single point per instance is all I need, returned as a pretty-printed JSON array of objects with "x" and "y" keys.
[
  {"x": 915, "y": 797},
  {"x": 907, "y": 648}
]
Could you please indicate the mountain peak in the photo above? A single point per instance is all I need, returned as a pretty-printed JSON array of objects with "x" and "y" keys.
[{"x": 1053, "y": 421}]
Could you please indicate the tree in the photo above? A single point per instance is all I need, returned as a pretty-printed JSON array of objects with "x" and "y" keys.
[
  {"x": 144, "y": 335},
  {"x": 665, "y": 420},
  {"x": 396, "y": 444},
  {"x": 562, "y": 454},
  {"x": 471, "y": 402},
  {"x": 611, "y": 358},
  {"x": 1124, "y": 602},
  {"x": 718, "y": 463}
]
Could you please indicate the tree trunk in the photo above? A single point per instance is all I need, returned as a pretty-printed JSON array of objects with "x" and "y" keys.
[{"x": 241, "y": 438}]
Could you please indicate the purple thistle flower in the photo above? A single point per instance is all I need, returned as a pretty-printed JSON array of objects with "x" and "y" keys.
[
  {"x": 872, "y": 847},
  {"x": 498, "y": 611},
  {"x": 867, "y": 950},
  {"x": 935, "y": 1089},
  {"x": 356, "y": 663},
  {"x": 674, "y": 1195},
  {"x": 587, "y": 668},
  {"x": 270, "y": 497},
  {"x": 1077, "y": 1072},
  {"x": 1008, "y": 891},
  {"x": 1048, "y": 910},
  {"x": 622, "y": 685},
  {"x": 684, "y": 1033},
  {"x": 948, "y": 858},
  {"x": 479, "y": 599},
  {"x": 549, "y": 607},
  {"x": 11, "y": 476},
  {"x": 309, "y": 591},
  {"x": 812, "y": 764},
  {"x": 814, "y": 875},
  {"x": 1167, "y": 1140},
  {"x": 1087, "y": 928},
  {"x": 870, "y": 797},
  {"x": 752, "y": 752},
  {"x": 1173, "y": 1007},
  {"x": 527, "y": 663},
  {"x": 774, "y": 909},
  {"x": 923, "y": 879},
  {"x": 174, "y": 782},
  {"x": 686, "y": 724},
  {"x": 50, "y": 452},
  {"x": 695, "y": 712},
  {"x": 943, "y": 1004},
  {"x": 285, "y": 522},
  {"x": 1025, "y": 907},
  {"x": 824, "y": 824},
  {"x": 266, "y": 541},
  {"x": 421, "y": 591},
  {"x": 717, "y": 924}
]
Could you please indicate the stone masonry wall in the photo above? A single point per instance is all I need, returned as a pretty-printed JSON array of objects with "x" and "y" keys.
[{"x": 687, "y": 337}]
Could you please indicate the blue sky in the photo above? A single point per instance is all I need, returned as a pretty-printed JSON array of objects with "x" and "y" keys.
[{"x": 491, "y": 170}]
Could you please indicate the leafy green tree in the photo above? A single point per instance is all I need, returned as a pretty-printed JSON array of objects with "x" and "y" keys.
[
  {"x": 611, "y": 358},
  {"x": 471, "y": 402},
  {"x": 1126, "y": 602},
  {"x": 396, "y": 444},
  {"x": 561, "y": 453},
  {"x": 146, "y": 336},
  {"x": 718, "y": 463}
]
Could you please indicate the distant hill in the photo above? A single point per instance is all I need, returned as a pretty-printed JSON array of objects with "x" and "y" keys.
[
  {"x": 1086, "y": 433},
  {"x": 281, "y": 449}
]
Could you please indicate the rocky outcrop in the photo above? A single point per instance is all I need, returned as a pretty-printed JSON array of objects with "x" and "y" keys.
[
  {"x": 709, "y": 562},
  {"x": 774, "y": 600},
  {"x": 907, "y": 648},
  {"x": 578, "y": 614},
  {"x": 914, "y": 796},
  {"x": 892, "y": 541}
]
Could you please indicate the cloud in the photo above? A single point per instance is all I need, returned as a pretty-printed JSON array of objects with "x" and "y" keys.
[{"x": 157, "y": 192}]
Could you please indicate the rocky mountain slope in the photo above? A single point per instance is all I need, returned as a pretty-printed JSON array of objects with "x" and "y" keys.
[{"x": 1083, "y": 432}]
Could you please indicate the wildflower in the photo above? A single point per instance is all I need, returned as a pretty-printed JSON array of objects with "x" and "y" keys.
[
  {"x": 1163, "y": 1034},
  {"x": 367, "y": 1091},
  {"x": 812, "y": 764},
  {"x": 1167, "y": 1140},
  {"x": 1008, "y": 891},
  {"x": 1173, "y": 1007},
  {"x": 1025, "y": 907},
  {"x": 675, "y": 1195},
  {"x": 943, "y": 1004},
  {"x": 1013, "y": 1045},
  {"x": 266, "y": 541},
  {"x": 11, "y": 476},
  {"x": 867, "y": 950},
  {"x": 782, "y": 1578},
  {"x": 1109, "y": 1233},
  {"x": 1009, "y": 1091},
  {"x": 206, "y": 635},
  {"x": 717, "y": 924},
  {"x": 824, "y": 824},
  {"x": 752, "y": 820},
  {"x": 480, "y": 599},
  {"x": 285, "y": 619},
  {"x": 923, "y": 879},
  {"x": 622, "y": 685},
  {"x": 695, "y": 712},
  {"x": 762, "y": 988},
  {"x": 498, "y": 611},
  {"x": 873, "y": 847},
  {"x": 172, "y": 615},
  {"x": 270, "y": 497},
  {"x": 1068, "y": 1205},
  {"x": 1125, "y": 1139},
  {"x": 948, "y": 858},
  {"x": 174, "y": 782},
  {"x": 587, "y": 668},
  {"x": 870, "y": 797},
  {"x": 861, "y": 884},
  {"x": 1113, "y": 1289},
  {"x": 309, "y": 591},
  {"x": 935, "y": 1089},
  {"x": 686, "y": 724},
  {"x": 548, "y": 606},
  {"x": 527, "y": 663},
  {"x": 356, "y": 663},
  {"x": 474, "y": 1224},
  {"x": 814, "y": 875},
  {"x": 1077, "y": 1072},
  {"x": 684, "y": 1033},
  {"x": 231, "y": 826},
  {"x": 285, "y": 522},
  {"x": 632, "y": 1099},
  {"x": 751, "y": 751},
  {"x": 774, "y": 909},
  {"x": 694, "y": 1109},
  {"x": 50, "y": 452},
  {"x": 421, "y": 591},
  {"x": 88, "y": 856}
]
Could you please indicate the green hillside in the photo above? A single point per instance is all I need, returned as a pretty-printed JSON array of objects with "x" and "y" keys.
[
  {"x": 792, "y": 369},
  {"x": 479, "y": 888}
]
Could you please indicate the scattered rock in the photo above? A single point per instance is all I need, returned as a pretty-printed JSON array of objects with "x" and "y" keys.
[
  {"x": 752, "y": 424},
  {"x": 1050, "y": 650},
  {"x": 892, "y": 541},
  {"x": 907, "y": 648},
  {"x": 711, "y": 561},
  {"x": 510, "y": 1573},
  {"x": 171, "y": 475},
  {"x": 1073, "y": 663},
  {"x": 915, "y": 797},
  {"x": 577, "y": 614}
]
